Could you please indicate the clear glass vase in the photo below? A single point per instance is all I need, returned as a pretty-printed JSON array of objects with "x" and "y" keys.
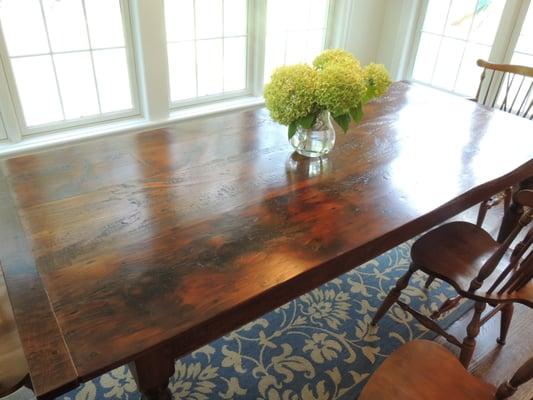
[{"x": 317, "y": 141}]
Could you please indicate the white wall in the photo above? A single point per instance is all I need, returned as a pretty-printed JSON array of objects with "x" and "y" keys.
[
  {"x": 382, "y": 31},
  {"x": 364, "y": 29}
]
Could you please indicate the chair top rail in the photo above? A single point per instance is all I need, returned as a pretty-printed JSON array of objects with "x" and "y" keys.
[{"x": 509, "y": 68}]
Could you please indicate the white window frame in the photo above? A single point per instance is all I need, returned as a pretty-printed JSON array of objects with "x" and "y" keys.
[
  {"x": 109, "y": 117},
  {"x": 513, "y": 15},
  {"x": 146, "y": 46},
  {"x": 248, "y": 90},
  {"x": 255, "y": 53}
]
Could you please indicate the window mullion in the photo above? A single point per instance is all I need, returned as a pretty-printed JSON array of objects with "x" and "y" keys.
[
  {"x": 91, "y": 56},
  {"x": 52, "y": 59}
]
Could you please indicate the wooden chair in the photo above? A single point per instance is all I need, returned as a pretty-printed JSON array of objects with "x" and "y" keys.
[
  {"x": 510, "y": 89},
  {"x": 422, "y": 369},
  {"x": 478, "y": 267},
  {"x": 13, "y": 367}
]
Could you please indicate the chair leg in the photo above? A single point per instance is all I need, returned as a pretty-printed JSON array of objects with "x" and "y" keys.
[
  {"x": 394, "y": 294},
  {"x": 472, "y": 330},
  {"x": 429, "y": 281},
  {"x": 505, "y": 322}
]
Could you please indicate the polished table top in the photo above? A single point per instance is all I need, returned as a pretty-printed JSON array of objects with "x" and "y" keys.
[{"x": 176, "y": 236}]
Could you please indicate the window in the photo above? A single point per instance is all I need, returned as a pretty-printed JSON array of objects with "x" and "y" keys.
[
  {"x": 454, "y": 34},
  {"x": 207, "y": 43},
  {"x": 67, "y": 59},
  {"x": 68, "y": 65},
  {"x": 295, "y": 32},
  {"x": 523, "y": 52}
]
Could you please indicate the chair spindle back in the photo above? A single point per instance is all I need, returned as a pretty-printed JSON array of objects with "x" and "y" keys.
[
  {"x": 519, "y": 271},
  {"x": 507, "y": 87}
]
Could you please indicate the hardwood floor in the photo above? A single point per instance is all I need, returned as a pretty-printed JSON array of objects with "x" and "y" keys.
[
  {"x": 492, "y": 362},
  {"x": 495, "y": 363}
]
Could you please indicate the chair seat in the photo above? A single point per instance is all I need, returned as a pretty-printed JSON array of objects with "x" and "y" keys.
[
  {"x": 455, "y": 252},
  {"x": 13, "y": 366},
  {"x": 421, "y": 370}
]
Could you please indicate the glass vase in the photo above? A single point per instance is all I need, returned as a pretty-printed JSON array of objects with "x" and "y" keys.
[{"x": 317, "y": 141}]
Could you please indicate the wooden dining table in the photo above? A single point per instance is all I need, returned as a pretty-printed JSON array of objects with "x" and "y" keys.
[{"x": 140, "y": 248}]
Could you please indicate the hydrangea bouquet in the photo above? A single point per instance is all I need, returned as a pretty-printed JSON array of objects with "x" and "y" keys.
[{"x": 335, "y": 84}]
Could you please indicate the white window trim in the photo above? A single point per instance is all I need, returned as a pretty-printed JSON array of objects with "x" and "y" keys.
[
  {"x": 506, "y": 37},
  {"x": 252, "y": 18},
  {"x": 16, "y": 109},
  {"x": 147, "y": 47},
  {"x": 57, "y": 138}
]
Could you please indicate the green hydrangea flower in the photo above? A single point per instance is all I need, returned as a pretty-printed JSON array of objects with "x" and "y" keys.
[
  {"x": 335, "y": 56},
  {"x": 341, "y": 87},
  {"x": 377, "y": 80},
  {"x": 291, "y": 93}
]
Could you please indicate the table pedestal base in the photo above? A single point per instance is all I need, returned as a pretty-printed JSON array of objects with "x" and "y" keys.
[{"x": 152, "y": 373}]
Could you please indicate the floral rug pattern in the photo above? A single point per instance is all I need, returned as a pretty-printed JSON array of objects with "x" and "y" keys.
[{"x": 319, "y": 346}]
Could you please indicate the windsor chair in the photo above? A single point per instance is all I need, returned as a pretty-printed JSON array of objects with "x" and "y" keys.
[
  {"x": 508, "y": 88},
  {"x": 422, "y": 369},
  {"x": 478, "y": 267},
  {"x": 13, "y": 367}
]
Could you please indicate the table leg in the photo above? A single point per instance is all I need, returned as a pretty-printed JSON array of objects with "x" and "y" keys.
[
  {"x": 513, "y": 212},
  {"x": 152, "y": 372}
]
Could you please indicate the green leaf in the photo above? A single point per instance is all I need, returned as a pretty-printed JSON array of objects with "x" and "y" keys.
[
  {"x": 370, "y": 93},
  {"x": 308, "y": 121},
  {"x": 357, "y": 112},
  {"x": 292, "y": 129},
  {"x": 343, "y": 120}
]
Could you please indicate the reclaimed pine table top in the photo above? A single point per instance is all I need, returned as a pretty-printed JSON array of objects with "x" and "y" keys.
[{"x": 140, "y": 248}]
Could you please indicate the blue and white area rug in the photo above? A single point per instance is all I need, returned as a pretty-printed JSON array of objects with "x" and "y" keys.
[{"x": 319, "y": 346}]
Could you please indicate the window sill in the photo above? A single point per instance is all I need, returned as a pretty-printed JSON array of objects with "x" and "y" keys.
[{"x": 34, "y": 142}]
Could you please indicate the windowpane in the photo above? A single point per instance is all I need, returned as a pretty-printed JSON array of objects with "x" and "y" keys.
[
  {"x": 448, "y": 61},
  {"x": 66, "y": 25},
  {"x": 208, "y": 17},
  {"x": 37, "y": 89},
  {"x": 111, "y": 70},
  {"x": 182, "y": 70},
  {"x": 234, "y": 64},
  {"x": 207, "y": 47},
  {"x": 23, "y": 27},
  {"x": 179, "y": 20},
  {"x": 76, "y": 84},
  {"x": 296, "y": 47},
  {"x": 459, "y": 19},
  {"x": 105, "y": 23},
  {"x": 210, "y": 66},
  {"x": 455, "y": 34},
  {"x": 426, "y": 58},
  {"x": 86, "y": 70},
  {"x": 468, "y": 79},
  {"x": 235, "y": 17},
  {"x": 435, "y": 18},
  {"x": 293, "y": 40},
  {"x": 486, "y": 22}
]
